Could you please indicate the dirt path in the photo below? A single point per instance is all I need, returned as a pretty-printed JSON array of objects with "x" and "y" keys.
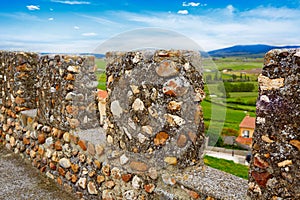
[{"x": 21, "y": 181}]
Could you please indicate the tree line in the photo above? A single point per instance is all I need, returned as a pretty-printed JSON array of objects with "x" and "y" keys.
[{"x": 227, "y": 87}]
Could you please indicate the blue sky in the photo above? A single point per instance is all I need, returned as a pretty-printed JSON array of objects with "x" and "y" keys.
[{"x": 82, "y": 25}]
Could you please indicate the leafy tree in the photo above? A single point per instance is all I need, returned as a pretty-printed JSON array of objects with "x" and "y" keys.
[
  {"x": 220, "y": 142},
  {"x": 222, "y": 88},
  {"x": 234, "y": 77},
  {"x": 235, "y": 87}
]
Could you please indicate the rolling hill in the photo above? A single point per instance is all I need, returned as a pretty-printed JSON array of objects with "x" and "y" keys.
[{"x": 257, "y": 50}]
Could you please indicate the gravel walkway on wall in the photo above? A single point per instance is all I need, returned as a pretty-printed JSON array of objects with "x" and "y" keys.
[
  {"x": 212, "y": 182},
  {"x": 21, "y": 181}
]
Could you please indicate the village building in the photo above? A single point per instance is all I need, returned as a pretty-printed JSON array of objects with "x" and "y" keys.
[{"x": 247, "y": 127}]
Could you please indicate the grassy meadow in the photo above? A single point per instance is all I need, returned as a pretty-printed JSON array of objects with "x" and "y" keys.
[
  {"x": 227, "y": 166},
  {"x": 100, "y": 73},
  {"x": 238, "y": 63}
]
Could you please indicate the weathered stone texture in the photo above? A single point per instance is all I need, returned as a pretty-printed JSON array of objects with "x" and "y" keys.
[
  {"x": 153, "y": 104},
  {"x": 275, "y": 165},
  {"x": 67, "y": 88},
  {"x": 155, "y": 121},
  {"x": 18, "y": 82},
  {"x": 18, "y": 92}
]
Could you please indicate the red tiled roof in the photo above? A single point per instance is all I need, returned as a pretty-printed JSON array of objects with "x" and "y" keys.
[
  {"x": 242, "y": 140},
  {"x": 248, "y": 122},
  {"x": 102, "y": 94}
]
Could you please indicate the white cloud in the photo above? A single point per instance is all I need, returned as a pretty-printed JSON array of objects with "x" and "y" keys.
[
  {"x": 211, "y": 29},
  {"x": 216, "y": 28},
  {"x": 193, "y": 4},
  {"x": 76, "y": 27},
  {"x": 72, "y": 2},
  {"x": 230, "y": 8},
  {"x": 183, "y": 12},
  {"x": 89, "y": 34},
  {"x": 51, "y": 19},
  {"x": 33, "y": 7},
  {"x": 147, "y": 38}
]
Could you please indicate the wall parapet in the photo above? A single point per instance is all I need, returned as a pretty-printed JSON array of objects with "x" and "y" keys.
[
  {"x": 112, "y": 180},
  {"x": 84, "y": 159},
  {"x": 274, "y": 172},
  {"x": 153, "y": 106},
  {"x": 67, "y": 91},
  {"x": 18, "y": 80}
]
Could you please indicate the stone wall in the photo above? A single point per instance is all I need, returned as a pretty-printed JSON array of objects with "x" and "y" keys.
[
  {"x": 67, "y": 92},
  {"x": 275, "y": 165},
  {"x": 41, "y": 112},
  {"x": 153, "y": 106},
  {"x": 46, "y": 116},
  {"x": 18, "y": 78},
  {"x": 151, "y": 149},
  {"x": 18, "y": 91}
]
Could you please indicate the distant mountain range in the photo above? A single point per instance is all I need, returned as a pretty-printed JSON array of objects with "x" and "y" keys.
[
  {"x": 250, "y": 51},
  {"x": 257, "y": 50}
]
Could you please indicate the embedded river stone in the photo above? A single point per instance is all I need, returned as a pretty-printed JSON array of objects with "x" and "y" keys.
[
  {"x": 152, "y": 111},
  {"x": 274, "y": 171}
]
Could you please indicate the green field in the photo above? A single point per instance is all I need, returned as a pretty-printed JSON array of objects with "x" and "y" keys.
[
  {"x": 227, "y": 166},
  {"x": 234, "y": 63},
  {"x": 231, "y": 68},
  {"x": 219, "y": 119},
  {"x": 100, "y": 73},
  {"x": 101, "y": 77},
  {"x": 100, "y": 63},
  {"x": 222, "y": 116},
  {"x": 215, "y": 112},
  {"x": 235, "y": 107}
]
